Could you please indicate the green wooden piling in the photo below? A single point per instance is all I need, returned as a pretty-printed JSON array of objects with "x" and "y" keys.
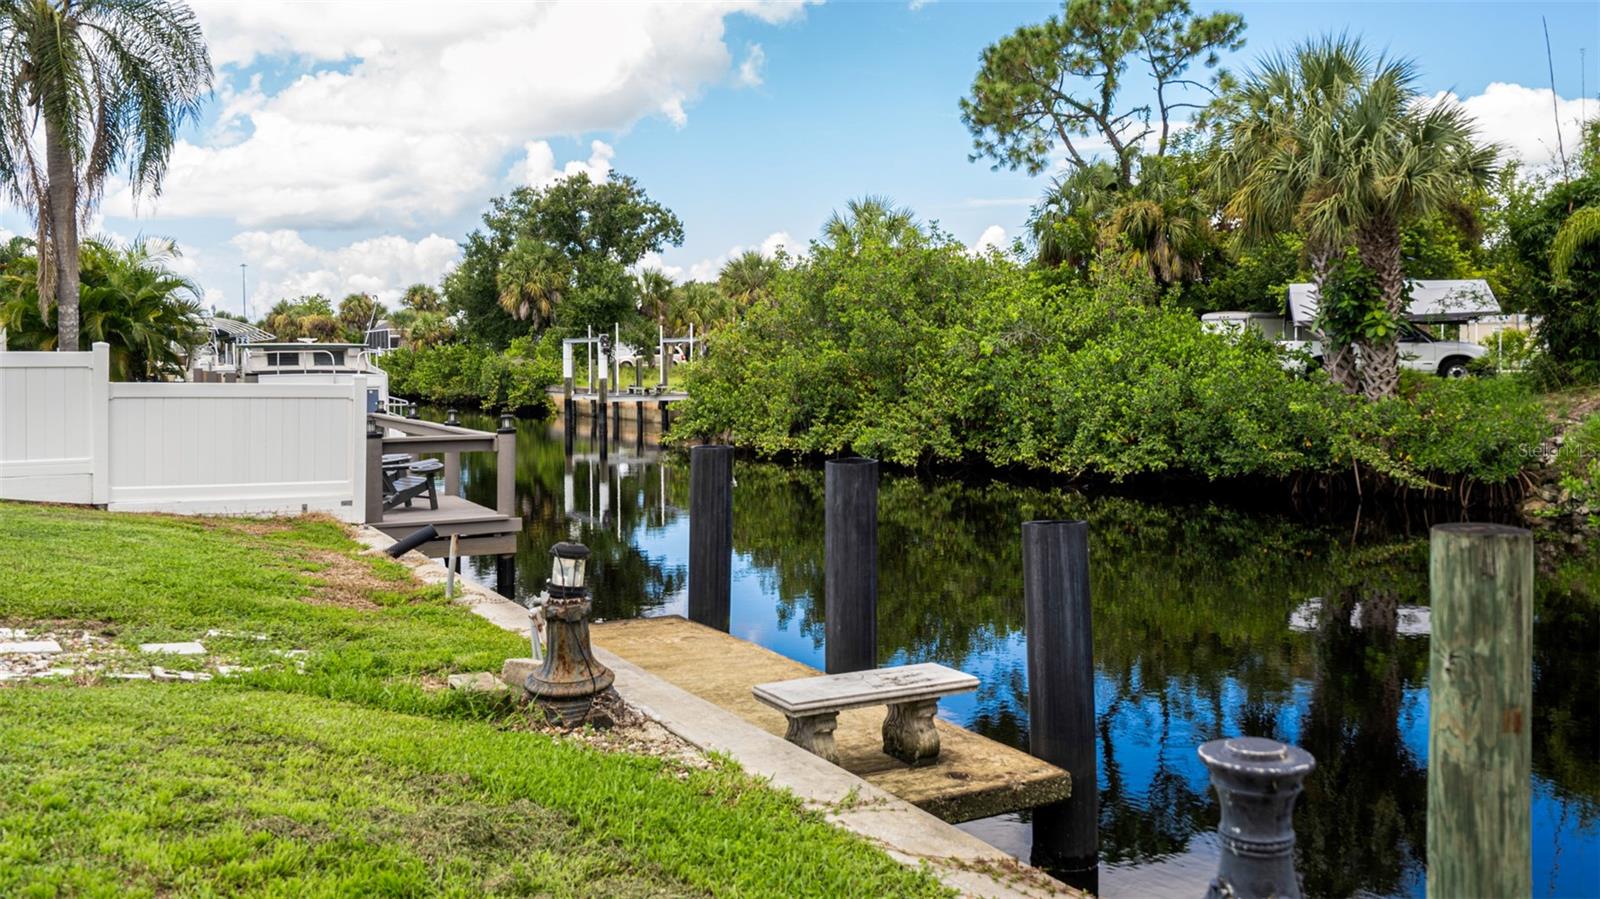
[{"x": 1480, "y": 682}]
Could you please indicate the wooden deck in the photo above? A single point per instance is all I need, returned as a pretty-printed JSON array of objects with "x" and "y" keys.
[{"x": 974, "y": 777}]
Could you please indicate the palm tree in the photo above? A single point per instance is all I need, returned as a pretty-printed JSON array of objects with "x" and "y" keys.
[
  {"x": 747, "y": 278},
  {"x": 358, "y": 312},
  {"x": 1163, "y": 228},
  {"x": 1065, "y": 226},
  {"x": 1403, "y": 160},
  {"x": 1340, "y": 145},
  {"x": 109, "y": 82},
  {"x": 1579, "y": 231},
  {"x": 429, "y": 328},
  {"x": 655, "y": 294},
  {"x": 130, "y": 300},
  {"x": 423, "y": 298},
  {"x": 531, "y": 281},
  {"x": 871, "y": 218}
]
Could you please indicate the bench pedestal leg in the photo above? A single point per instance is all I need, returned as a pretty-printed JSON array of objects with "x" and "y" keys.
[
  {"x": 814, "y": 734},
  {"x": 909, "y": 734}
]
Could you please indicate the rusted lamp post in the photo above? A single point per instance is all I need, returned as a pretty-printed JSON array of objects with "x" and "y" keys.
[{"x": 570, "y": 678}]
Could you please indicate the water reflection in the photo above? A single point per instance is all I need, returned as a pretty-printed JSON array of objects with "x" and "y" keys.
[{"x": 1192, "y": 609}]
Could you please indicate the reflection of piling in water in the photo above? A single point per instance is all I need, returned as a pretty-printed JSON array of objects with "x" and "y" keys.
[
  {"x": 710, "y": 534},
  {"x": 850, "y": 565},
  {"x": 1480, "y": 738},
  {"x": 1055, "y": 589}
]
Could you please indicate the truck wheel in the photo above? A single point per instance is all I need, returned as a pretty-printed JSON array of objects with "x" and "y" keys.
[{"x": 1453, "y": 367}]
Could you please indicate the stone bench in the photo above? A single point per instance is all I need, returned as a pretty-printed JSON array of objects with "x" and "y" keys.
[{"x": 911, "y": 692}]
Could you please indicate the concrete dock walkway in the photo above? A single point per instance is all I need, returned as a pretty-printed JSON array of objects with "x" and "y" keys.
[{"x": 974, "y": 777}]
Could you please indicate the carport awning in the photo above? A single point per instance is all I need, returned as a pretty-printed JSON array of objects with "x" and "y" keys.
[{"x": 1431, "y": 301}]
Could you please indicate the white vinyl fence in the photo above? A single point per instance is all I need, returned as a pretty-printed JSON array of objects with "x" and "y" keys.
[{"x": 69, "y": 434}]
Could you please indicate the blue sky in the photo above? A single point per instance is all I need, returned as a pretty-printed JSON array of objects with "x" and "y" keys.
[{"x": 350, "y": 146}]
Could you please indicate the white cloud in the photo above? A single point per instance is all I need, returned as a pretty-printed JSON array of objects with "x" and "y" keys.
[
  {"x": 708, "y": 269},
  {"x": 778, "y": 240},
  {"x": 750, "y": 70},
  {"x": 1521, "y": 120},
  {"x": 538, "y": 166},
  {"x": 408, "y": 110},
  {"x": 993, "y": 238},
  {"x": 915, "y": 5},
  {"x": 283, "y": 265}
]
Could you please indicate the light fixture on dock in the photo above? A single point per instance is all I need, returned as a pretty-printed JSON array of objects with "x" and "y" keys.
[
  {"x": 508, "y": 424},
  {"x": 570, "y": 679},
  {"x": 452, "y": 417},
  {"x": 373, "y": 428},
  {"x": 412, "y": 412},
  {"x": 568, "y": 562}
]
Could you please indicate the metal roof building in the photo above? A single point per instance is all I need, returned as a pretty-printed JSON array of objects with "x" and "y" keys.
[{"x": 1431, "y": 301}]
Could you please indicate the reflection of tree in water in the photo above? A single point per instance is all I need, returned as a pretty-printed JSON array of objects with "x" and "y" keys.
[
  {"x": 626, "y": 583},
  {"x": 1363, "y": 821},
  {"x": 1157, "y": 820}
]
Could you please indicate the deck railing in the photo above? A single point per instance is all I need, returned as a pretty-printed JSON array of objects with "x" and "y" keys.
[{"x": 418, "y": 437}]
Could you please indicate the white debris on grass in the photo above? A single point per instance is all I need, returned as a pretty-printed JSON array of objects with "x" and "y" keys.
[
  {"x": 162, "y": 674},
  {"x": 236, "y": 635},
  {"x": 13, "y": 633},
  {"x": 29, "y": 647},
  {"x": 178, "y": 649}
]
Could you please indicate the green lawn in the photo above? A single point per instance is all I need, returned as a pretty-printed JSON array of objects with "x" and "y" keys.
[{"x": 355, "y": 775}]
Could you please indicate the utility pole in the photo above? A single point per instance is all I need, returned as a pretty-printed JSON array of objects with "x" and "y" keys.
[{"x": 244, "y": 301}]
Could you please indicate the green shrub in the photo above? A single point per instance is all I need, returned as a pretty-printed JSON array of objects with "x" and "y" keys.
[
  {"x": 921, "y": 353},
  {"x": 1509, "y": 350},
  {"x": 464, "y": 375},
  {"x": 1578, "y": 461}
]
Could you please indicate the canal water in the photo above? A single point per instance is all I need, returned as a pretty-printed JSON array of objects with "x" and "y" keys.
[{"x": 1204, "y": 627}]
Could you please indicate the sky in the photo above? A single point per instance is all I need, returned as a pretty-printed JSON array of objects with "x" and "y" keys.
[{"x": 352, "y": 146}]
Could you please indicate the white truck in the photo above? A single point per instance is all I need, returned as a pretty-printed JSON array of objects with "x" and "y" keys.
[{"x": 1418, "y": 351}]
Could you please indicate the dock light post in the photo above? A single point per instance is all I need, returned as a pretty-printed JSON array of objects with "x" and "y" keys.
[
  {"x": 411, "y": 411},
  {"x": 374, "y": 429},
  {"x": 570, "y": 678},
  {"x": 452, "y": 417},
  {"x": 1257, "y": 781},
  {"x": 508, "y": 423}
]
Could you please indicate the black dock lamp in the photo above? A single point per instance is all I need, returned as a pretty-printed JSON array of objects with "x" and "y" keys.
[
  {"x": 374, "y": 430},
  {"x": 412, "y": 411},
  {"x": 508, "y": 425},
  {"x": 570, "y": 678},
  {"x": 452, "y": 417}
]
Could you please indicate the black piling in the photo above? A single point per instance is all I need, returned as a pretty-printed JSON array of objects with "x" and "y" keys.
[
  {"x": 850, "y": 498},
  {"x": 505, "y": 575},
  {"x": 1055, "y": 589},
  {"x": 710, "y": 534}
]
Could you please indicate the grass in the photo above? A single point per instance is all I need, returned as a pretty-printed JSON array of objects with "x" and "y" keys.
[{"x": 352, "y": 777}]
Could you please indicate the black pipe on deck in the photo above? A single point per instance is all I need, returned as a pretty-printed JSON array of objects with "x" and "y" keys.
[
  {"x": 710, "y": 534},
  {"x": 1055, "y": 592},
  {"x": 850, "y": 562},
  {"x": 413, "y": 540}
]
